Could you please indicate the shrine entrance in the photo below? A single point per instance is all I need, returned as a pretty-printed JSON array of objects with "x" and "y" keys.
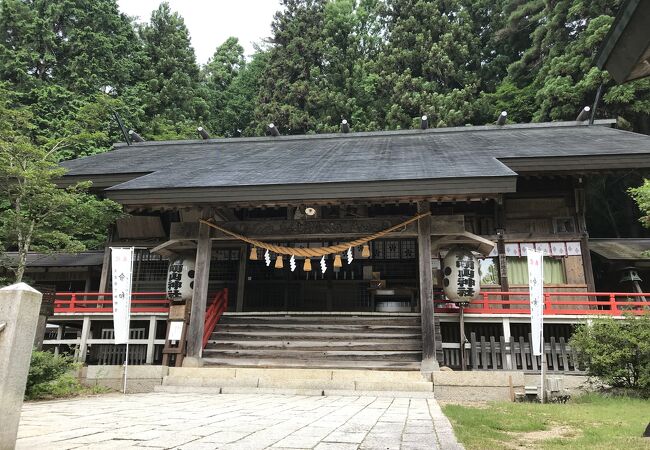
[{"x": 385, "y": 281}]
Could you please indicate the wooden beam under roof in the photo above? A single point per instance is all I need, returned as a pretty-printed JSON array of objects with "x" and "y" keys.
[{"x": 625, "y": 52}]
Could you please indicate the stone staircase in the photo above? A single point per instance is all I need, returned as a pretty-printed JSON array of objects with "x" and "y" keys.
[
  {"x": 231, "y": 380},
  {"x": 303, "y": 340},
  {"x": 309, "y": 354}
]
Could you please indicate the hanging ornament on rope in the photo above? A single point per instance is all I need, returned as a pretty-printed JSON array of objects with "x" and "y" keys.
[
  {"x": 278, "y": 262},
  {"x": 319, "y": 251},
  {"x": 253, "y": 255},
  {"x": 267, "y": 258},
  {"x": 323, "y": 265},
  {"x": 349, "y": 255},
  {"x": 292, "y": 263},
  {"x": 307, "y": 266},
  {"x": 337, "y": 261}
]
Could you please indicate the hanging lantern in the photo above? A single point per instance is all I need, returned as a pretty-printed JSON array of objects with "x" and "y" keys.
[
  {"x": 307, "y": 266},
  {"x": 337, "y": 262},
  {"x": 278, "y": 262},
  {"x": 180, "y": 279},
  {"x": 253, "y": 255},
  {"x": 462, "y": 281},
  {"x": 365, "y": 251}
]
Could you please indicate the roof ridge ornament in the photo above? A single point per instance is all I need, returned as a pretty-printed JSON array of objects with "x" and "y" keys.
[
  {"x": 501, "y": 120},
  {"x": 584, "y": 114}
]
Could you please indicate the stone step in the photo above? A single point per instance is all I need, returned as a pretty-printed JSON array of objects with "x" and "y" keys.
[
  {"x": 288, "y": 391},
  {"x": 397, "y": 376},
  {"x": 315, "y": 327},
  {"x": 309, "y": 363},
  {"x": 303, "y": 335},
  {"x": 293, "y": 343},
  {"x": 408, "y": 355},
  {"x": 415, "y": 386},
  {"x": 288, "y": 380},
  {"x": 413, "y": 320}
]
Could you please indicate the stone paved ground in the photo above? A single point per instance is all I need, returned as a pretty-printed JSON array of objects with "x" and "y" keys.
[{"x": 235, "y": 421}]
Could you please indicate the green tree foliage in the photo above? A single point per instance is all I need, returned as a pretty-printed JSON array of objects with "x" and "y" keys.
[
  {"x": 641, "y": 195},
  {"x": 380, "y": 64},
  {"x": 238, "y": 114},
  {"x": 555, "y": 76},
  {"x": 616, "y": 351},
  {"x": 35, "y": 214},
  {"x": 81, "y": 46},
  {"x": 220, "y": 73},
  {"x": 294, "y": 67},
  {"x": 68, "y": 61},
  {"x": 429, "y": 63},
  {"x": 172, "y": 95}
]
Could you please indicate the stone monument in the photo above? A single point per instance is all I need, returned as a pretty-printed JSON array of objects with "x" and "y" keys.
[{"x": 19, "y": 310}]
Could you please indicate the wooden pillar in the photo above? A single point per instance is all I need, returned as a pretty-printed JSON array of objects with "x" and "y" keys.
[
  {"x": 85, "y": 334},
  {"x": 241, "y": 278},
  {"x": 89, "y": 281},
  {"x": 151, "y": 339},
  {"x": 59, "y": 336},
  {"x": 506, "y": 338},
  {"x": 199, "y": 298},
  {"x": 106, "y": 262},
  {"x": 499, "y": 216},
  {"x": 429, "y": 361},
  {"x": 580, "y": 200}
]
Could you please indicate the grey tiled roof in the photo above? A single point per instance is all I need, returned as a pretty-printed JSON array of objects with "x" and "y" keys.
[
  {"x": 621, "y": 249},
  {"x": 472, "y": 152}
]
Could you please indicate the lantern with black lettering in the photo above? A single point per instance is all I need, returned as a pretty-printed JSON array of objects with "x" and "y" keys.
[
  {"x": 180, "y": 279},
  {"x": 461, "y": 282}
]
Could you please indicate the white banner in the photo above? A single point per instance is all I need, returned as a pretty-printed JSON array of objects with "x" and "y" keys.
[
  {"x": 122, "y": 264},
  {"x": 536, "y": 291}
]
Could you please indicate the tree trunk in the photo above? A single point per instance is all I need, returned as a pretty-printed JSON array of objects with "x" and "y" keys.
[{"x": 23, "y": 249}]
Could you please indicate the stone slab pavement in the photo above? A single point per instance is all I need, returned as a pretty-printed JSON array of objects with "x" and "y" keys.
[{"x": 235, "y": 421}]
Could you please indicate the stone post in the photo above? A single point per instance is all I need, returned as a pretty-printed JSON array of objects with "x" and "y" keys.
[{"x": 19, "y": 310}]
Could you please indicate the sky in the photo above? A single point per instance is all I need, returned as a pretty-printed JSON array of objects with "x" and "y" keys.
[{"x": 211, "y": 22}]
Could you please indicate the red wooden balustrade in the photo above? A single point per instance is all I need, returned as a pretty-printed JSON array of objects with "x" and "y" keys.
[
  {"x": 555, "y": 303},
  {"x": 489, "y": 302},
  {"x": 102, "y": 302},
  {"x": 213, "y": 314}
]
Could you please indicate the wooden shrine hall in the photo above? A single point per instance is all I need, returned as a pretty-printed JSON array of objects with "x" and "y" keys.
[{"x": 240, "y": 208}]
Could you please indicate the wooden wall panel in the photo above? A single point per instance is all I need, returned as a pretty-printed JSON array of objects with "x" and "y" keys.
[{"x": 575, "y": 273}]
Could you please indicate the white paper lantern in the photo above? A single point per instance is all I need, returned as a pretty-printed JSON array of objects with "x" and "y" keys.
[
  {"x": 462, "y": 280},
  {"x": 180, "y": 278}
]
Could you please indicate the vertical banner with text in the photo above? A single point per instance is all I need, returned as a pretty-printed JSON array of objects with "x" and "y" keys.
[
  {"x": 536, "y": 291},
  {"x": 122, "y": 264}
]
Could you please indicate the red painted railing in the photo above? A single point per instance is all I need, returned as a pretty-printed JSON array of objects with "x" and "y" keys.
[
  {"x": 490, "y": 302},
  {"x": 213, "y": 314},
  {"x": 555, "y": 303},
  {"x": 102, "y": 302}
]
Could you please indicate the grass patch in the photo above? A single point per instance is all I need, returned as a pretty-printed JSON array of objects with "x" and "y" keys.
[{"x": 590, "y": 421}]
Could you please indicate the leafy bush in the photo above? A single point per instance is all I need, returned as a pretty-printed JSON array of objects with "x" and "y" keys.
[
  {"x": 617, "y": 351},
  {"x": 49, "y": 376}
]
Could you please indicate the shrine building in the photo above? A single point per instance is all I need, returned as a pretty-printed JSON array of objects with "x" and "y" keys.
[{"x": 330, "y": 250}]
